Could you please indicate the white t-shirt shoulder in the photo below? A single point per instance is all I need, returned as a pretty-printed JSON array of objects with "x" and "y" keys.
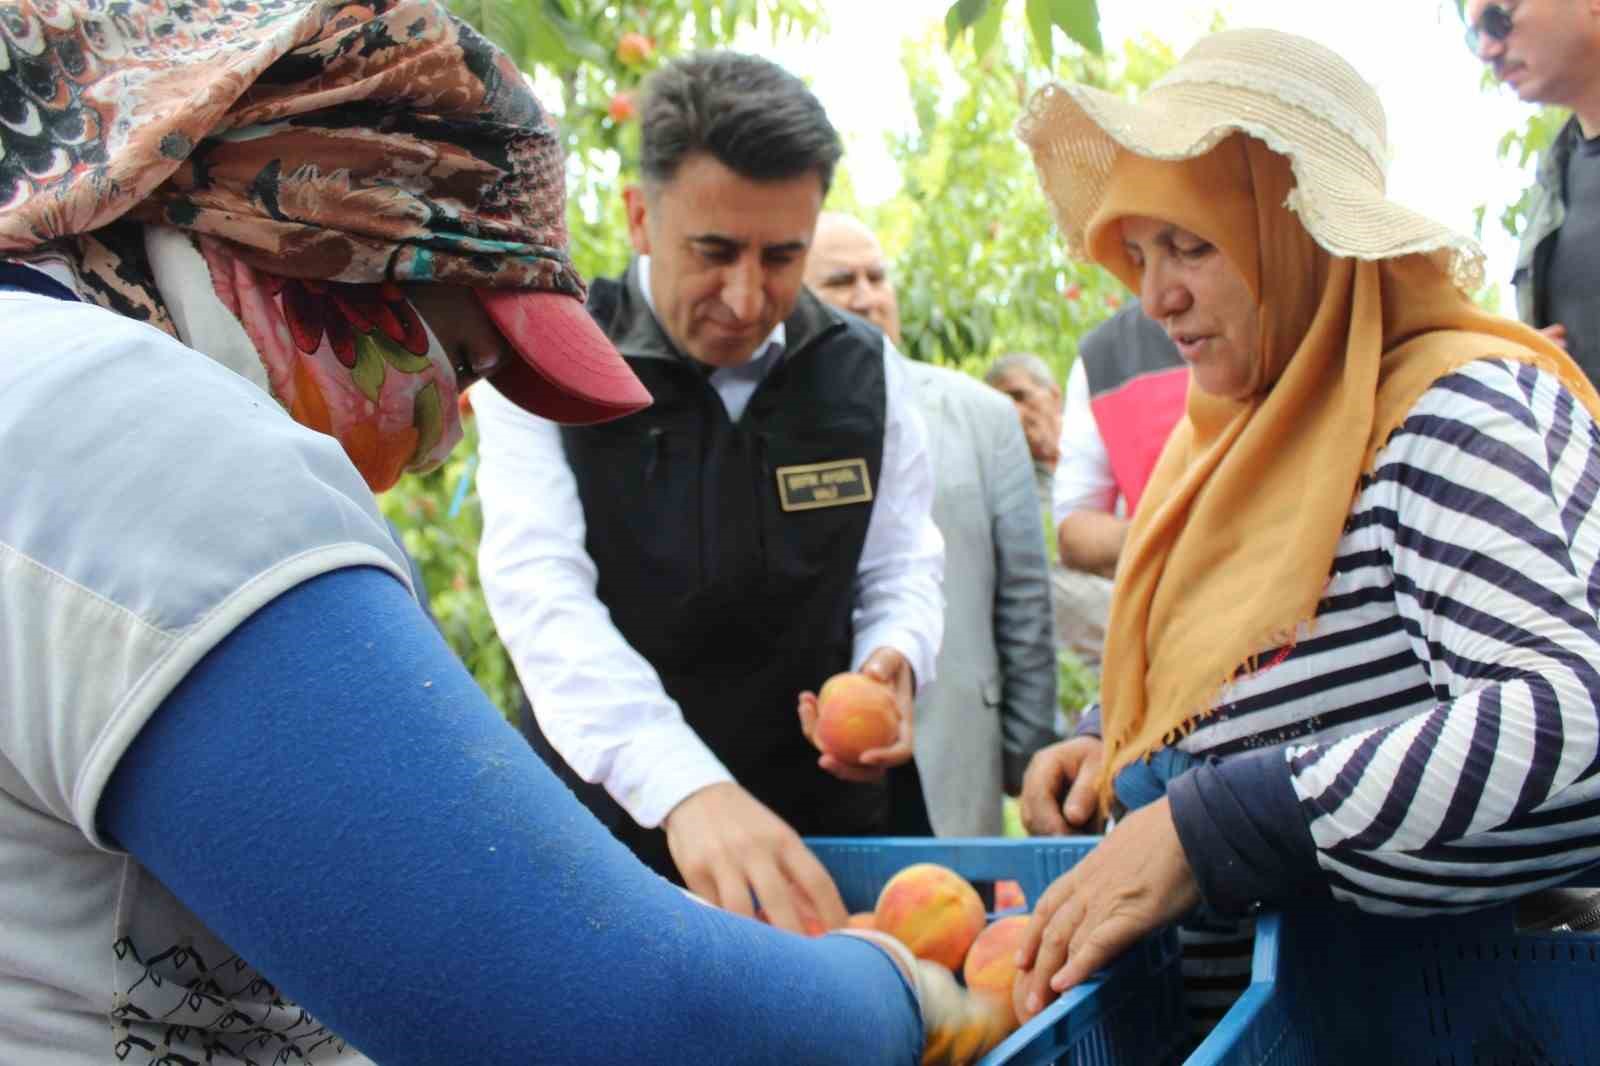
[
  {"x": 154, "y": 500},
  {"x": 1083, "y": 479}
]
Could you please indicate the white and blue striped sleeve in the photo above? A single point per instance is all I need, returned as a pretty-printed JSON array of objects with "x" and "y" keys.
[{"x": 1485, "y": 498}]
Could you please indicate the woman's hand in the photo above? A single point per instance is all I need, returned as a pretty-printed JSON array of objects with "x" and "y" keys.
[
  {"x": 1058, "y": 789},
  {"x": 1136, "y": 881}
]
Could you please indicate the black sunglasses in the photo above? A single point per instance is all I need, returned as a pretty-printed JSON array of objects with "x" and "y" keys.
[{"x": 1495, "y": 22}]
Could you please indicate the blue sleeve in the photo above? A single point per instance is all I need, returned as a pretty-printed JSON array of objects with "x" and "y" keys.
[
  {"x": 331, "y": 793},
  {"x": 1243, "y": 833}
]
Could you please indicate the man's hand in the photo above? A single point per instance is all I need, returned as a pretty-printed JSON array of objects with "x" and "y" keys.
[
  {"x": 1557, "y": 334},
  {"x": 1058, "y": 788},
  {"x": 727, "y": 845},
  {"x": 1134, "y": 882},
  {"x": 890, "y": 667}
]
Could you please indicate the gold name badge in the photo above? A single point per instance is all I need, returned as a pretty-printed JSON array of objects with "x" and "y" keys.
[{"x": 804, "y": 488}]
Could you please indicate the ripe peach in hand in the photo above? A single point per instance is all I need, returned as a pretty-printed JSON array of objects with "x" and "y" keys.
[
  {"x": 932, "y": 910},
  {"x": 855, "y": 714},
  {"x": 991, "y": 966}
]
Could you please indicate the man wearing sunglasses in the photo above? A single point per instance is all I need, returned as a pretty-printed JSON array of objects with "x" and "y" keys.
[{"x": 1548, "y": 51}]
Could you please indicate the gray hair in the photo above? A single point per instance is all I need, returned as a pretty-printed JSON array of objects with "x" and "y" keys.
[{"x": 1030, "y": 364}]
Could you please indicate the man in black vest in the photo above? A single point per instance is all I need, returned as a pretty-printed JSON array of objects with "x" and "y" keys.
[{"x": 674, "y": 584}]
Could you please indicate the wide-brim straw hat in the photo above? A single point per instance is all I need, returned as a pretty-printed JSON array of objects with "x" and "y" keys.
[{"x": 1302, "y": 100}]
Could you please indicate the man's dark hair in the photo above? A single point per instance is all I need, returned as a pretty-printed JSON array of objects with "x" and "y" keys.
[{"x": 751, "y": 115}]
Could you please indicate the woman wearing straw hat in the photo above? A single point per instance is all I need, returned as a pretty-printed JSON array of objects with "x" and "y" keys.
[
  {"x": 1353, "y": 641},
  {"x": 251, "y": 806}
]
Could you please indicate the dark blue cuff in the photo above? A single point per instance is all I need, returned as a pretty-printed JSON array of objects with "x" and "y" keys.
[
  {"x": 1089, "y": 724},
  {"x": 1243, "y": 832}
]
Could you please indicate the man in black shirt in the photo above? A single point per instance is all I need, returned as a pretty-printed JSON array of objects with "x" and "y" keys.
[{"x": 1548, "y": 51}]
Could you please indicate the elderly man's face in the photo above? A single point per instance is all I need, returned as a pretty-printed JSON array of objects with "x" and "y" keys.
[
  {"x": 1551, "y": 55},
  {"x": 1039, "y": 407},
  {"x": 846, "y": 268}
]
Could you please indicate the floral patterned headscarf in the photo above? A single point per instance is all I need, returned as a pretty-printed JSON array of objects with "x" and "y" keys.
[{"x": 316, "y": 153}]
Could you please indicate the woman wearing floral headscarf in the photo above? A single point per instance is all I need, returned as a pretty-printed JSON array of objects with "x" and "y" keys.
[
  {"x": 1353, "y": 641},
  {"x": 251, "y": 807}
]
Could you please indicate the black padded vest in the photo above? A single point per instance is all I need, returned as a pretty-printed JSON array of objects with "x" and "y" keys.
[{"x": 737, "y": 602}]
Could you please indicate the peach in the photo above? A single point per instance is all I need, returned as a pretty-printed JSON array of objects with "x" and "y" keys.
[
  {"x": 855, "y": 713},
  {"x": 932, "y": 910},
  {"x": 622, "y": 108},
  {"x": 1007, "y": 895},
  {"x": 862, "y": 920},
  {"x": 991, "y": 965},
  {"x": 634, "y": 48}
]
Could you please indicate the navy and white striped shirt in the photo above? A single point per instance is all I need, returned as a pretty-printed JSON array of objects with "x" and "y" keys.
[{"x": 1430, "y": 744}]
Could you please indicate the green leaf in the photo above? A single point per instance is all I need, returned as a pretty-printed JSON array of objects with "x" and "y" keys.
[
  {"x": 1080, "y": 20},
  {"x": 555, "y": 41},
  {"x": 390, "y": 352},
  {"x": 1041, "y": 23},
  {"x": 500, "y": 22},
  {"x": 962, "y": 13},
  {"x": 987, "y": 29},
  {"x": 545, "y": 46},
  {"x": 702, "y": 23},
  {"x": 572, "y": 34},
  {"x": 427, "y": 416},
  {"x": 369, "y": 370}
]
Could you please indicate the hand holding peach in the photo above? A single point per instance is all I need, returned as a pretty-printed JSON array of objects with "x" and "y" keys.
[
  {"x": 861, "y": 722},
  {"x": 855, "y": 714}
]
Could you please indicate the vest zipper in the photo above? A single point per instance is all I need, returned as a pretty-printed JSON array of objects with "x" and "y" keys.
[{"x": 763, "y": 479}]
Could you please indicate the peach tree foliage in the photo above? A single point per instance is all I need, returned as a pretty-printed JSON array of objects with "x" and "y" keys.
[
  {"x": 588, "y": 58},
  {"x": 1522, "y": 144},
  {"x": 979, "y": 266}
]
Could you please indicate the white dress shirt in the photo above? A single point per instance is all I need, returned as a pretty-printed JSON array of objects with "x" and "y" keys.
[{"x": 599, "y": 702}]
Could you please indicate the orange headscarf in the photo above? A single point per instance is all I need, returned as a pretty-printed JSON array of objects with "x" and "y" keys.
[{"x": 1230, "y": 551}]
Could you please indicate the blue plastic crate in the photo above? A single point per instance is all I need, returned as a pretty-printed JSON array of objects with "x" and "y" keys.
[
  {"x": 1331, "y": 985},
  {"x": 1130, "y": 1013}
]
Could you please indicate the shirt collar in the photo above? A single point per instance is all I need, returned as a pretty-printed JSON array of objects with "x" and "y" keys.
[{"x": 772, "y": 346}]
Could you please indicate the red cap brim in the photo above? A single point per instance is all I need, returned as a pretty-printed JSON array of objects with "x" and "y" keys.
[{"x": 569, "y": 372}]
